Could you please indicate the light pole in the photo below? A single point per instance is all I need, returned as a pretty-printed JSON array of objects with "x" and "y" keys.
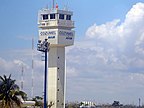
[{"x": 44, "y": 47}]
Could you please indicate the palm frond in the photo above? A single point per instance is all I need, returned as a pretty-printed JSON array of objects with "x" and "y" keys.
[
  {"x": 9, "y": 93},
  {"x": 1, "y": 78}
]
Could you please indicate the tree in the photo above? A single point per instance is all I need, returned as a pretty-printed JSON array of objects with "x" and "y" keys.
[
  {"x": 117, "y": 104},
  {"x": 10, "y": 93},
  {"x": 72, "y": 105},
  {"x": 38, "y": 101}
]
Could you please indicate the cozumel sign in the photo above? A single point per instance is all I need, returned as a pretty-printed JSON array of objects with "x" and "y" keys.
[
  {"x": 53, "y": 34},
  {"x": 47, "y": 33},
  {"x": 66, "y": 33}
]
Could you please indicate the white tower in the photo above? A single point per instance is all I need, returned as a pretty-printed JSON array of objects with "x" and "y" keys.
[{"x": 56, "y": 26}]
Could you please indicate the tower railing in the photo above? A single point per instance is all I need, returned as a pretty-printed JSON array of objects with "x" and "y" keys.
[{"x": 53, "y": 23}]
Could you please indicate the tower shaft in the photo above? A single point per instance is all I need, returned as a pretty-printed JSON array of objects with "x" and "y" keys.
[{"x": 56, "y": 77}]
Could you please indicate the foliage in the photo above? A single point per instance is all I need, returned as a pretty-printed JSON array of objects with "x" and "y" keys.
[
  {"x": 72, "y": 105},
  {"x": 10, "y": 93},
  {"x": 38, "y": 101}
]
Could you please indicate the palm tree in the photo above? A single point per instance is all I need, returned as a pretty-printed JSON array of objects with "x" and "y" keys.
[{"x": 10, "y": 93}]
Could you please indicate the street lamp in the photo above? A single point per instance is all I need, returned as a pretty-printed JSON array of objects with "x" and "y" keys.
[{"x": 44, "y": 47}]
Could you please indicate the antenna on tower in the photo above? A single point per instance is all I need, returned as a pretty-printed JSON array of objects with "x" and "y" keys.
[
  {"x": 22, "y": 80},
  {"x": 32, "y": 67},
  {"x": 53, "y": 4},
  {"x": 47, "y": 6}
]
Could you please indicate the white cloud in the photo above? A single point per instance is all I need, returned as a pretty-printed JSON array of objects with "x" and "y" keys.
[
  {"x": 103, "y": 31},
  {"x": 111, "y": 58},
  {"x": 136, "y": 14},
  {"x": 125, "y": 38},
  {"x": 139, "y": 45},
  {"x": 6, "y": 66},
  {"x": 13, "y": 65}
]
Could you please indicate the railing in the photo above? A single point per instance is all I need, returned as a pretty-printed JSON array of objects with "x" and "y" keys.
[{"x": 54, "y": 23}]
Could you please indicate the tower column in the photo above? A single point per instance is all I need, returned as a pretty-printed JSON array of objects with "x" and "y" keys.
[{"x": 56, "y": 77}]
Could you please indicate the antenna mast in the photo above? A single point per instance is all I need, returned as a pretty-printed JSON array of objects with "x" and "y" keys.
[
  {"x": 22, "y": 79},
  {"x": 32, "y": 68},
  {"x": 53, "y": 4}
]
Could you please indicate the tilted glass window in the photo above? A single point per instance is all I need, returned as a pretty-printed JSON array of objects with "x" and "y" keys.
[
  {"x": 52, "y": 16},
  {"x": 45, "y": 16},
  {"x": 68, "y": 17},
  {"x": 61, "y": 16}
]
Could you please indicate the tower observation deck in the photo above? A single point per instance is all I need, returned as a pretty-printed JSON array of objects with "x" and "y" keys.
[
  {"x": 56, "y": 26},
  {"x": 54, "y": 18}
]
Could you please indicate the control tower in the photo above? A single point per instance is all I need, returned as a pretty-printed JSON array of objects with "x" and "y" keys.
[{"x": 56, "y": 26}]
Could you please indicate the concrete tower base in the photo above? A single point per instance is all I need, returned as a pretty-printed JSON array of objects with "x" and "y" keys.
[{"x": 56, "y": 77}]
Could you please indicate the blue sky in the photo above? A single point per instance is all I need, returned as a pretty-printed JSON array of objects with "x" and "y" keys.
[
  {"x": 19, "y": 18},
  {"x": 107, "y": 57}
]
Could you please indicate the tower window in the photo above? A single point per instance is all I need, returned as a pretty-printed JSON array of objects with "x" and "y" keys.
[
  {"x": 68, "y": 17},
  {"x": 52, "y": 16},
  {"x": 61, "y": 16},
  {"x": 45, "y": 16}
]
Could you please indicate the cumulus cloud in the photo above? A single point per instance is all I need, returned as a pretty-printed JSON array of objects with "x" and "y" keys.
[
  {"x": 5, "y": 66},
  {"x": 102, "y": 31},
  {"x": 112, "y": 55},
  {"x": 124, "y": 38}
]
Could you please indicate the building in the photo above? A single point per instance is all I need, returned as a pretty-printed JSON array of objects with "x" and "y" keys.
[{"x": 56, "y": 26}]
